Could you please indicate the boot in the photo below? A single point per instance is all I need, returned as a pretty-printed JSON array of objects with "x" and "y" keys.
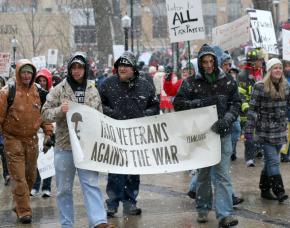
[
  {"x": 278, "y": 187},
  {"x": 265, "y": 187}
]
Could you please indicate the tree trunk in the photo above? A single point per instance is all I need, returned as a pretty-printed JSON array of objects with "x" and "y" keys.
[{"x": 102, "y": 9}]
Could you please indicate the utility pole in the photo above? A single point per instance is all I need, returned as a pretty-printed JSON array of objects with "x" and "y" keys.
[{"x": 132, "y": 25}]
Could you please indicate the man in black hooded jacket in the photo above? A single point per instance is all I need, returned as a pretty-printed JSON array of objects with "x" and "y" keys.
[
  {"x": 126, "y": 96},
  {"x": 211, "y": 86}
]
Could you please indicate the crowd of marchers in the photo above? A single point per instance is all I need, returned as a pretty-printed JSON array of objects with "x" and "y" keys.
[{"x": 252, "y": 100}]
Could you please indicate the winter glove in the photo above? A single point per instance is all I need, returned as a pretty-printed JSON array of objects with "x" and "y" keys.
[
  {"x": 249, "y": 137},
  {"x": 48, "y": 142},
  {"x": 221, "y": 127}
]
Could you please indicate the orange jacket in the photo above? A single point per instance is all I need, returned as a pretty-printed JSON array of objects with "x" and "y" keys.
[{"x": 23, "y": 118}]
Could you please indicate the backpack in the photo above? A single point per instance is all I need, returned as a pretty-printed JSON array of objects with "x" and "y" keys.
[{"x": 12, "y": 93}]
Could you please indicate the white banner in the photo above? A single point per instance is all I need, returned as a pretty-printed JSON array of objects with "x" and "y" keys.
[
  {"x": 4, "y": 64},
  {"x": 45, "y": 161},
  {"x": 286, "y": 44},
  {"x": 262, "y": 30},
  {"x": 232, "y": 35},
  {"x": 158, "y": 144},
  {"x": 185, "y": 20}
]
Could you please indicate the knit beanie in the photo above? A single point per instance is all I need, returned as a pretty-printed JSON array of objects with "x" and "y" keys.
[
  {"x": 272, "y": 62},
  {"x": 27, "y": 68}
]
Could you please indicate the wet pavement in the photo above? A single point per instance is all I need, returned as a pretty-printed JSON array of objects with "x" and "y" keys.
[{"x": 164, "y": 202}]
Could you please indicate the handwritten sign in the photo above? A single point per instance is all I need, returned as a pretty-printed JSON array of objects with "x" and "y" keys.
[
  {"x": 262, "y": 30},
  {"x": 232, "y": 35},
  {"x": 185, "y": 20},
  {"x": 4, "y": 64}
]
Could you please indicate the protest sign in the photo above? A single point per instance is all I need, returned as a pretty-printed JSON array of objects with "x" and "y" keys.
[
  {"x": 232, "y": 35},
  {"x": 262, "y": 30},
  {"x": 185, "y": 20},
  {"x": 4, "y": 64},
  {"x": 286, "y": 44},
  {"x": 157, "y": 144},
  {"x": 45, "y": 161}
]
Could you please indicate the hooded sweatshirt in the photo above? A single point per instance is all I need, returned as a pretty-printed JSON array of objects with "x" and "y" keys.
[{"x": 23, "y": 118}]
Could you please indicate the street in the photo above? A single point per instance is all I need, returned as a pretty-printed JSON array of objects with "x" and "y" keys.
[{"x": 164, "y": 202}]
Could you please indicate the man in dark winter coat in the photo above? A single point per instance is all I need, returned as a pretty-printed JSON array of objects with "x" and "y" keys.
[
  {"x": 211, "y": 86},
  {"x": 126, "y": 96}
]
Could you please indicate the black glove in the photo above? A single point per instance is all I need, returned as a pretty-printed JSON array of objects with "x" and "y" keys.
[
  {"x": 221, "y": 127},
  {"x": 48, "y": 142}
]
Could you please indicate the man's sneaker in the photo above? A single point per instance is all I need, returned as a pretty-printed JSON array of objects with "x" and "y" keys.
[
  {"x": 111, "y": 212},
  {"x": 7, "y": 180},
  {"x": 131, "y": 210},
  {"x": 237, "y": 200},
  {"x": 250, "y": 163},
  {"x": 33, "y": 192},
  {"x": 202, "y": 217},
  {"x": 46, "y": 193},
  {"x": 228, "y": 221},
  {"x": 26, "y": 219}
]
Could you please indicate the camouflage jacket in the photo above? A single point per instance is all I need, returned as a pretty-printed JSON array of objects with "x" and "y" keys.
[{"x": 51, "y": 110}]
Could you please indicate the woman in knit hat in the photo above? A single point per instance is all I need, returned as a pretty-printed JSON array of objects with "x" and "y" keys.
[{"x": 267, "y": 121}]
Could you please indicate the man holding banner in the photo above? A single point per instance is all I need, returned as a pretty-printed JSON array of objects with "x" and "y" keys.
[
  {"x": 126, "y": 96},
  {"x": 212, "y": 86},
  {"x": 75, "y": 88}
]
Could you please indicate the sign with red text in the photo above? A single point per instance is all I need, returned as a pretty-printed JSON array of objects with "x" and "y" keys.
[
  {"x": 185, "y": 20},
  {"x": 4, "y": 64},
  {"x": 165, "y": 143}
]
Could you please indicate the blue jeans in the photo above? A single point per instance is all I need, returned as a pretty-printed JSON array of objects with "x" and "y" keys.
[
  {"x": 46, "y": 183},
  {"x": 93, "y": 200},
  {"x": 192, "y": 184},
  {"x": 4, "y": 161},
  {"x": 271, "y": 159},
  {"x": 220, "y": 177},
  {"x": 251, "y": 148},
  {"x": 124, "y": 188},
  {"x": 236, "y": 133}
]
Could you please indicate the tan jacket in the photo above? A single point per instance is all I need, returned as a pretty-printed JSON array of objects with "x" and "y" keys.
[
  {"x": 51, "y": 110},
  {"x": 23, "y": 118}
]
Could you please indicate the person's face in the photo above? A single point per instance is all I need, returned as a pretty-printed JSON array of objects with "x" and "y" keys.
[
  {"x": 43, "y": 82},
  {"x": 187, "y": 72},
  {"x": 287, "y": 67},
  {"x": 258, "y": 64},
  {"x": 78, "y": 72},
  {"x": 125, "y": 72},
  {"x": 226, "y": 66},
  {"x": 26, "y": 77},
  {"x": 276, "y": 72},
  {"x": 207, "y": 64}
]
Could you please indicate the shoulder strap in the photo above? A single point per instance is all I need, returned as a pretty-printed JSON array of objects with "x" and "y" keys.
[{"x": 11, "y": 93}]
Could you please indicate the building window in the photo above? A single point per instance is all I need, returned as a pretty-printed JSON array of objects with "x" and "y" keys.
[
  {"x": 85, "y": 34},
  {"x": 234, "y": 9}
]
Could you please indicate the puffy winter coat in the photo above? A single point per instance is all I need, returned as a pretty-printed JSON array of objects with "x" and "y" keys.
[
  {"x": 127, "y": 100},
  {"x": 197, "y": 92}
]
